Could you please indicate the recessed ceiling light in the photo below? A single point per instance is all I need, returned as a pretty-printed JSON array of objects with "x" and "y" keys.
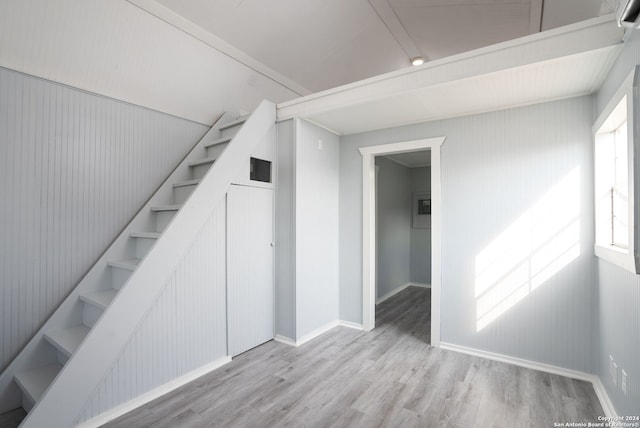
[{"x": 417, "y": 60}]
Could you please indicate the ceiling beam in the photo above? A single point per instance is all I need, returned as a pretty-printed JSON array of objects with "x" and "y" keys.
[
  {"x": 395, "y": 27},
  {"x": 535, "y": 16}
]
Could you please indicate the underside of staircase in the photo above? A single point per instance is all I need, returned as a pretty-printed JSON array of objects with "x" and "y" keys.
[{"x": 29, "y": 378}]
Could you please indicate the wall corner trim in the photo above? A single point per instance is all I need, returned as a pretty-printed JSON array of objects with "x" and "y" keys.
[
  {"x": 601, "y": 393},
  {"x": 149, "y": 396}
]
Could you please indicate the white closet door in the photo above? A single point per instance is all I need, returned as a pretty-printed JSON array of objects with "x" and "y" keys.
[{"x": 250, "y": 261}]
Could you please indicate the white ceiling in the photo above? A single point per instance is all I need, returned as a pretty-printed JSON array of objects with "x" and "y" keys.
[
  {"x": 321, "y": 44},
  {"x": 560, "y": 63}
]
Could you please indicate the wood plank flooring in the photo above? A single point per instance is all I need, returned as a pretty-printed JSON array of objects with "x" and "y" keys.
[{"x": 389, "y": 377}]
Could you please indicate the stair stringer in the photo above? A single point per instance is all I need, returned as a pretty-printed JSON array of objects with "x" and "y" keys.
[
  {"x": 37, "y": 352},
  {"x": 62, "y": 403},
  {"x": 182, "y": 337}
]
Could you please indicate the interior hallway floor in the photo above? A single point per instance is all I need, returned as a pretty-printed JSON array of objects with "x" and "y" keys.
[{"x": 389, "y": 377}]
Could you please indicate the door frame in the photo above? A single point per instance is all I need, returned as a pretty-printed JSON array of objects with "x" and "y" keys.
[{"x": 369, "y": 227}]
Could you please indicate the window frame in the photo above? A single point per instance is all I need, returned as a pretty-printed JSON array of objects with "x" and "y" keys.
[{"x": 626, "y": 258}]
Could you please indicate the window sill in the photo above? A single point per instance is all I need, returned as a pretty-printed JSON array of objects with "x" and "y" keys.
[{"x": 618, "y": 256}]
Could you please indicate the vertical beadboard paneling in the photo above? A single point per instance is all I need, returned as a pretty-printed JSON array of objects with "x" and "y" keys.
[
  {"x": 183, "y": 331},
  {"x": 285, "y": 290},
  {"x": 619, "y": 290},
  {"x": 496, "y": 168},
  {"x": 75, "y": 168},
  {"x": 393, "y": 226},
  {"x": 421, "y": 238},
  {"x": 619, "y": 312}
]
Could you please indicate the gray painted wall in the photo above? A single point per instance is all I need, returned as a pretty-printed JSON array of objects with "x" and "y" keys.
[
  {"x": 75, "y": 168},
  {"x": 619, "y": 290},
  {"x": 316, "y": 234},
  {"x": 500, "y": 177},
  {"x": 285, "y": 286},
  {"x": 420, "y": 238},
  {"x": 393, "y": 222}
]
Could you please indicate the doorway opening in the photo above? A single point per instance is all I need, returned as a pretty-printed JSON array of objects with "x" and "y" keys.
[
  {"x": 403, "y": 241},
  {"x": 369, "y": 227}
]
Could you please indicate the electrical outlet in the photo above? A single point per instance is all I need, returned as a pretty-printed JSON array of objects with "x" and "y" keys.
[
  {"x": 623, "y": 381},
  {"x": 320, "y": 145},
  {"x": 614, "y": 374}
]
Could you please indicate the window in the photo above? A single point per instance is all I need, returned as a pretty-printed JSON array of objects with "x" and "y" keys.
[{"x": 615, "y": 211}]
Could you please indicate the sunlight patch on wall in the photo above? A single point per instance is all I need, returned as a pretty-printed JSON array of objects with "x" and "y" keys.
[{"x": 539, "y": 244}]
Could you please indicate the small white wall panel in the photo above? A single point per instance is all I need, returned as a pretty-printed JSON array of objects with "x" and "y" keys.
[{"x": 250, "y": 258}]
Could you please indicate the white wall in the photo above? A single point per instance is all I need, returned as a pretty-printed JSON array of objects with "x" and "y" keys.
[
  {"x": 74, "y": 168},
  {"x": 619, "y": 290},
  {"x": 393, "y": 225},
  {"x": 285, "y": 287},
  {"x": 420, "y": 238},
  {"x": 501, "y": 176},
  {"x": 316, "y": 227},
  {"x": 115, "y": 48}
]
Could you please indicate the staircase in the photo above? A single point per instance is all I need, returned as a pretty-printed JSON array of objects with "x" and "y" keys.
[{"x": 30, "y": 376}]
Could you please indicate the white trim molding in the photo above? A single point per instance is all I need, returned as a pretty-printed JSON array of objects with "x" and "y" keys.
[
  {"x": 419, "y": 284},
  {"x": 603, "y": 397},
  {"x": 149, "y": 396},
  {"x": 285, "y": 340},
  {"x": 369, "y": 229},
  {"x": 396, "y": 290},
  {"x": 317, "y": 332},
  {"x": 601, "y": 393},
  {"x": 392, "y": 293},
  {"x": 349, "y": 324}
]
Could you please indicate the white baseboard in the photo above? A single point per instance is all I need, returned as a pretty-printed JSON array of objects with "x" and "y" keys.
[
  {"x": 392, "y": 293},
  {"x": 350, "y": 324},
  {"x": 307, "y": 337},
  {"x": 317, "y": 332},
  {"x": 419, "y": 284},
  {"x": 601, "y": 392},
  {"x": 605, "y": 401},
  {"x": 284, "y": 339},
  {"x": 145, "y": 398},
  {"x": 395, "y": 291}
]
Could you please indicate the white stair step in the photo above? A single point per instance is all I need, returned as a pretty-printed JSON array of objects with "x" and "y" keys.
[
  {"x": 146, "y": 235},
  {"x": 68, "y": 339},
  {"x": 187, "y": 183},
  {"x": 35, "y": 382},
  {"x": 101, "y": 298},
  {"x": 129, "y": 264},
  {"x": 203, "y": 161},
  {"x": 236, "y": 122},
  {"x": 166, "y": 208},
  {"x": 217, "y": 142}
]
